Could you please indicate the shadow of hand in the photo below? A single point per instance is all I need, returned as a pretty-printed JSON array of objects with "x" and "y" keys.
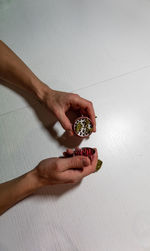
[
  {"x": 56, "y": 190},
  {"x": 47, "y": 118}
]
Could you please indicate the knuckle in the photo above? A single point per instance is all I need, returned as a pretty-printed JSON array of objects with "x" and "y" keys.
[
  {"x": 56, "y": 112},
  {"x": 71, "y": 95},
  {"x": 72, "y": 181},
  {"x": 72, "y": 162},
  {"x": 90, "y": 104},
  {"x": 79, "y": 161},
  {"x": 75, "y": 161},
  {"x": 74, "y": 96},
  {"x": 57, "y": 167}
]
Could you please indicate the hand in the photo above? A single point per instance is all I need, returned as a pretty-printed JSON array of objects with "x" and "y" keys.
[
  {"x": 65, "y": 170},
  {"x": 60, "y": 102}
]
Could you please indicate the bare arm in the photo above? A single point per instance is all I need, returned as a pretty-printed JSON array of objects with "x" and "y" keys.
[
  {"x": 50, "y": 171},
  {"x": 17, "y": 189},
  {"x": 14, "y": 71}
]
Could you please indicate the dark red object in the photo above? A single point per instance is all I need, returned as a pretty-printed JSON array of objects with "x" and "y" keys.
[{"x": 84, "y": 151}]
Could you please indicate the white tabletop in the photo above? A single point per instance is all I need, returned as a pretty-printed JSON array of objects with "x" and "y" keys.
[{"x": 100, "y": 50}]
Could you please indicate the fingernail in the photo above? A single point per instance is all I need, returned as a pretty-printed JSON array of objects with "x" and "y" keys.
[
  {"x": 85, "y": 162},
  {"x": 99, "y": 165}
]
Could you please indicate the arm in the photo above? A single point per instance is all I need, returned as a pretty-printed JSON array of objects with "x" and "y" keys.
[
  {"x": 17, "y": 189},
  {"x": 49, "y": 172},
  {"x": 15, "y": 72}
]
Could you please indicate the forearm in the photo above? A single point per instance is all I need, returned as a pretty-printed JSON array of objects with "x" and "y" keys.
[
  {"x": 17, "y": 189},
  {"x": 14, "y": 71}
]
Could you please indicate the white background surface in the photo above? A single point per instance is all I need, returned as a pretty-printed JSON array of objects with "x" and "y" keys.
[{"x": 100, "y": 50}]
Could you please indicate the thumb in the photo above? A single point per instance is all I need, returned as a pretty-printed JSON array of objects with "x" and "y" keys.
[
  {"x": 64, "y": 121},
  {"x": 76, "y": 162}
]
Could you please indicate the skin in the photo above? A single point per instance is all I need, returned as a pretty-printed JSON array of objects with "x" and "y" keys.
[{"x": 50, "y": 171}]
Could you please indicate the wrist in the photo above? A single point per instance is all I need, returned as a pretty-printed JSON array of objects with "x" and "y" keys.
[
  {"x": 40, "y": 89},
  {"x": 34, "y": 180},
  {"x": 17, "y": 189}
]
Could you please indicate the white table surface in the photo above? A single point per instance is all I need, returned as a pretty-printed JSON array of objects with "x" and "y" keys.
[{"x": 100, "y": 50}]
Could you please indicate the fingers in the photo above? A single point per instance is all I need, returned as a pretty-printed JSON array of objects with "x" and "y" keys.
[
  {"x": 92, "y": 168},
  {"x": 76, "y": 162},
  {"x": 86, "y": 108},
  {"x": 65, "y": 122},
  {"x": 72, "y": 176},
  {"x": 77, "y": 103},
  {"x": 91, "y": 113},
  {"x": 68, "y": 152},
  {"x": 65, "y": 170}
]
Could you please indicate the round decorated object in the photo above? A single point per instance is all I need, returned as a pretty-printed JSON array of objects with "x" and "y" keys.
[{"x": 83, "y": 127}]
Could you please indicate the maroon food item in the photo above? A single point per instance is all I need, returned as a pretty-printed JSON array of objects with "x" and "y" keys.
[
  {"x": 87, "y": 151},
  {"x": 84, "y": 151}
]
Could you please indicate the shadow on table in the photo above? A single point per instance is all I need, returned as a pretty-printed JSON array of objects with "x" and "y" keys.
[
  {"x": 47, "y": 118},
  {"x": 3, "y": 248},
  {"x": 56, "y": 190}
]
